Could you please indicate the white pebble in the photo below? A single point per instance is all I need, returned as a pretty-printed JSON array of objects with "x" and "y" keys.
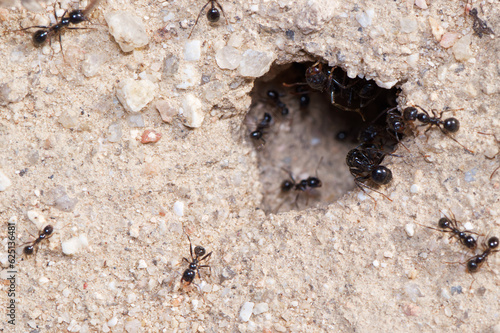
[
  {"x": 134, "y": 231},
  {"x": 365, "y": 18},
  {"x": 246, "y": 311},
  {"x": 192, "y": 111},
  {"x": 228, "y": 57},
  {"x": 66, "y": 292},
  {"x": 195, "y": 304},
  {"x": 179, "y": 208},
  {"x": 260, "y": 308},
  {"x": 133, "y": 326},
  {"x": 192, "y": 50},
  {"x": 388, "y": 254},
  {"x": 375, "y": 263},
  {"x": 131, "y": 298},
  {"x": 408, "y": 25},
  {"x": 128, "y": 30},
  {"x": 412, "y": 59},
  {"x": 112, "y": 322},
  {"x": 75, "y": 244},
  {"x": 468, "y": 226},
  {"x": 414, "y": 188},
  {"x": 421, "y": 4},
  {"x": 448, "y": 39},
  {"x": 135, "y": 95},
  {"x": 410, "y": 229},
  {"x": 4, "y": 181},
  {"x": 142, "y": 264},
  {"x": 436, "y": 28},
  {"x": 461, "y": 49},
  {"x": 362, "y": 196},
  {"x": 68, "y": 119},
  {"x": 445, "y": 294},
  {"x": 255, "y": 63},
  {"x": 189, "y": 77},
  {"x": 43, "y": 280},
  {"x": 35, "y": 217},
  {"x": 447, "y": 311},
  {"x": 294, "y": 304}
]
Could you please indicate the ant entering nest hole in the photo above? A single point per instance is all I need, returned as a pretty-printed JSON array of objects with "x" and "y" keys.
[{"x": 302, "y": 138}]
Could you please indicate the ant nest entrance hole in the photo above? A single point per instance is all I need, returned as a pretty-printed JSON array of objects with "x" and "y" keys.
[{"x": 297, "y": 132}]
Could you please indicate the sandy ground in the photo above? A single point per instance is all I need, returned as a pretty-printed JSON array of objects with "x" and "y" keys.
[{"x": 339, "y": 263}]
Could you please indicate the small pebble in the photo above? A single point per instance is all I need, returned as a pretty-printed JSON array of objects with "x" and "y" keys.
[
  {"x": 192, "y": 50},
  {"x": 135, "y": 120},
  {"x": 92, "y": 63},
  {"x": 228, "y": 57},
  {"x": 468, "y": 226},
  {"x": 4, "y": 181},
  {"x": 166, "y": 110},
  {"x": 150, "y": 136},
  {"x": 189, "y": 76},
  {"x": 448, "y": 39},
  {"x": 462, "y": 50},
  {"x": 447, "y": 311},
  {"x": 414, "y": 188},
  {"x": 260, "y": 308},
  {"x": 134, "y": 95},
  {"x": 192, "y": 111},
  {"x": 421, "y": 4},
  {"x": 133, "y": 326},
  {"x": 412, "y": 274},
  {"x": 255, "y": 63},
  {"x": 444, "y": 293},
  {"x": 410, "y": 229},
  {"x": 36, "y": 217},
  {"x": 179, "y": 208},
  {"x": 68, "y": 119},
  {"x": 142, "y": 264},
  {"x": 408, "y": 25},
  {"x": 365, "y": 18},
  {"x": 456, "y": 290},
  {"x": 376, "y": 263},
  {"x": 127, "y": 29},
  {"x": 112, "y": 322},
  {"x": 246, "y": 311},
  {"x": 75, "y": 244},
  {"x": 170, "y": 65},
  {"x": 114, "y": 132},
  {"x": 43, "y": 280}
]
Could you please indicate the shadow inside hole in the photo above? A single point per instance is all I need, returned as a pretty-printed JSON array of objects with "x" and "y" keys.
[{"x": 320, "y": 131}]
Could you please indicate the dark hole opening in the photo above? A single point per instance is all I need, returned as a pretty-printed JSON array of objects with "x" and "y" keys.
[{"x": 310, "y": 140}]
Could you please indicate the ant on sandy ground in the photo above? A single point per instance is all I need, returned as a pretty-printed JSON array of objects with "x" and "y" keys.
[
  {"x": 194, "y": 265},
  {"x": 213, "y": 14},
  {"x": 74, "y": 17}
]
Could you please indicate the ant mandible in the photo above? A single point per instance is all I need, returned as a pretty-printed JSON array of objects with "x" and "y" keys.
[
  {"x": 46, "y": 233},
  {"x": 75, "y": 17},
  {"x": 213, "y": 14},
  {"x": 194, "y": 265}
]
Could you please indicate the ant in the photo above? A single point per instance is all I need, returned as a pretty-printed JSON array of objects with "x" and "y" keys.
[
  {"x": 446, "y": 224},
  {"x": 265, "y": 123},
  {"x": 475, "y": 263},
  {"x": 364, "y": 164},
  {"x": 194, "y": 265},
  {"x": 75, "y": 17},
  {"x": 490, "y": 158},
  {"x": 305, "y": 185},
  {"x": 479, "y": 26},
  {"x": 447, "y": 126},
  {"x": 275, "y": 97},
  {"x": 46, "y": 233},
  {"x": 213, "y": 14}
]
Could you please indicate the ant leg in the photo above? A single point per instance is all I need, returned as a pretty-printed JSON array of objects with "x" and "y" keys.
[
  {"x": 186, "y": 260},
  {"x": 206, "y": 257},
  {"x": 196, "y": 22},
  {"x": 205, "y": 266},
  {"x": 190, "y": 246},
  {"x": 221, "y": 9}
]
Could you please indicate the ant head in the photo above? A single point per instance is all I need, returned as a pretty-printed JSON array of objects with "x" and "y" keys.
[
  {"x": 410, "y": 113},
  {"x": 28, "y": 250},
  {"x": 398, "y": 126},
  {"x": 314, "y": 182},
  {"x": 77, "y": 16},
  {"x": 287, "y": 185},
  {"x": 48, "y": 230},
  {"x": 213, "y": 15},
  {"x": 256, "y": 135},
  {"x": 444, "y": 223},
  {"x": 381, "y": 175},
  {"x": 199, "y": 251},
  {"x": 188, "y": 276},
  {"x": 40, "y": 37},
  {"x": 493, "y": 242},
  {"x": 315, "y": 77},
  {"x": 472, "y": 266},
  {"x": 451, "y": 125}
]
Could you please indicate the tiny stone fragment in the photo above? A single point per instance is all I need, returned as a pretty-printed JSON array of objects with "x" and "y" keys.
[
  {"x": 246, "y": 311},
  {"x": 260, "y": 308},
  {"x": 179, "y": 208},
  {"x": 128, "y": 30},
  {"x": 448, "y": 39},
  {"x": 192, "y": 50},
  {"x": 410, "y": 229},
  {"x": 365, "y": 18},
  {"x": 57, "y": 197},
  {"x": 75, "y": 244},
  {"x": 135, "y": 95},
  {"x": 408, "y": 25},
  {"x": 436, "y": 28},
  {"x": 461, "y": 49},
  {"x": 170, "y": 65},
  {"x": 166, "y": 110},
  {"x": 421, "y": 4},
  {"x": 4, "y": 181},
  {"x": 189, "y": 76},
  {"x": 255, "y": 63},
  {"x": 68, "y": 119},
  {"x": 135, "y": 120},
  {"x": 228, "y": 57},
  {"x": 192, "y": 111},
  {"x": 150, "y": 136},
  {"x": 114, "y": 132}
]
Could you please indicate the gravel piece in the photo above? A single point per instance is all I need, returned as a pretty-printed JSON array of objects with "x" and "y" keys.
[
  {"x": 179, "y": 208},
  {"x": 192, "y": 111},
  {"x": 127, "y": 29},
  {"x": 135, "y": 95},
  {"x": 192, "y": 50},
  {"x": 260, "y": 308},
  {"x": 246, "y": 311},
  {"x": 228, "y": 57},
  {"x": 75, "y": 244},
  {"x": 255, "y": 63},
  {"x": 4, "y": 181},
  {"x": 461, "y": 49}
]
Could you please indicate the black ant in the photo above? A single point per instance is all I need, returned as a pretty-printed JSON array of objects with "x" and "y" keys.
[
  {"x": 305, "y": 185},
  {"x": 446, "y": 224},
  {"x": 75, "y": 17},
  {"x": 492, "y": 157},
  {"x": 265, "y": 123},
  {"x": 364, "y": 164},
  {"x": 194, "y": 265},
  {"x": 447, "y": 126},
  {"x": 213, "y": 14},
  {"x": 46, "y": 233},
  {"x": 275, "y": 98},
  {"x": 474, "y": 264},
  {"x": 479, "y": 26}
]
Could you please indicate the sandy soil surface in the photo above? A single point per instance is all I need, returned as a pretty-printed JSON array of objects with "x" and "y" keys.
[{"x": 73, "y": 157}]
